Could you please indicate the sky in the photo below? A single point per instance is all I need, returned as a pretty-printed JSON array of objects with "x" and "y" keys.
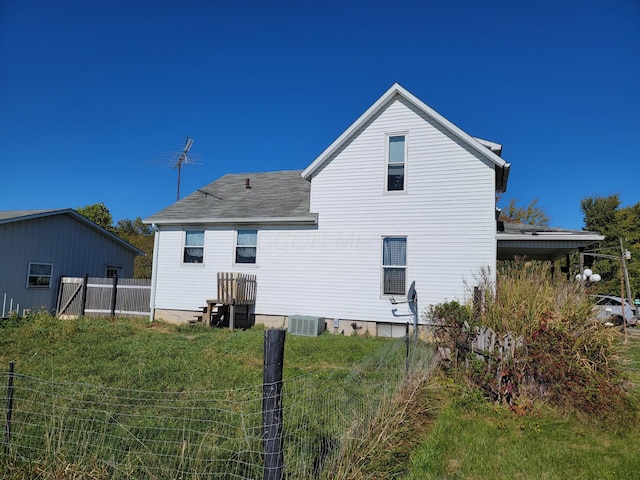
[{"x": 95, "y": 96}]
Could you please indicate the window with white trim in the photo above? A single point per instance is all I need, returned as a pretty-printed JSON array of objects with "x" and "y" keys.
[
  {"x": 394, "y": 265},
  {"x": 246, "y": 246},
  {"x": 39, "y": 275},
  {"x": 193, "y": 246},
  {"x": 396, "y": 163}
]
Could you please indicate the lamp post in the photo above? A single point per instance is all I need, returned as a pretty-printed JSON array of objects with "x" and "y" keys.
[{"x": 588, "y": 277}]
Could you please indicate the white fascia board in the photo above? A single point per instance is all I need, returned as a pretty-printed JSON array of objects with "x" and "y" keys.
[
  {"x": 371, "y": 111},
  {"x": 489, "y": 144},
  {"x": 303, "y": 220}
]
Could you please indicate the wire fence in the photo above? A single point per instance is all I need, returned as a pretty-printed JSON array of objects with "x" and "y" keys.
[{"x": 101, "y": 432}]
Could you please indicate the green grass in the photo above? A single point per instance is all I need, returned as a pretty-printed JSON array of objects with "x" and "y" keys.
[
  {"x": 137, "y": 354},
  {"x": 450, "y": 431},
  {"x": 472, "y": 439},
  {"x": 129, "y": 399}
]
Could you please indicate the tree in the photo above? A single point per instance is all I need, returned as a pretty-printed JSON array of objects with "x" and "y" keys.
[
  {"x": 133, "y": 231},
  {"x": 140, "y": 235},
  {"x": 532, "y": 214},
  {"x": 99, "y": 214},
  {"x": 604, "y": 215}
]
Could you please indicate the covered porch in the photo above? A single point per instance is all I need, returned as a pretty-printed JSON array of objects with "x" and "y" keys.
[{"x": 532, "y": 242}]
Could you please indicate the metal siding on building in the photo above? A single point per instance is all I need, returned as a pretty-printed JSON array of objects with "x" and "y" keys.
[{"x": 72, "y": 247}]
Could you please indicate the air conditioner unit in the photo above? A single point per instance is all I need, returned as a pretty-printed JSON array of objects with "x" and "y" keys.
[{"x": 305, "y": 325}]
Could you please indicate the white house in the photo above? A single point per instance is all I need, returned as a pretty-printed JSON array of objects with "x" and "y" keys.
[
  {"x": 402, "y": 195},
  {"x": 38, "y": 247}
]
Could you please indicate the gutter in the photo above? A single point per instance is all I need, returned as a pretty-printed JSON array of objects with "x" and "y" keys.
[{"x": 302, "y": 220}]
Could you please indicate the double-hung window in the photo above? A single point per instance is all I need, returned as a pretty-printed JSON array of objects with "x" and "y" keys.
[
  {"x": 394, "y": 265},
  {"x": 246, "y": 246},
  {"x": 39, "y": 275},
  {"x": 396, "y": 163},
  {"x": 193, "y": 246}
]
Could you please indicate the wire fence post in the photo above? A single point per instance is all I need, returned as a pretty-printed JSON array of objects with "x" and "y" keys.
[
  {"x": 7, "y": 429},
  {"x": 406, "y": 340},
  {"x": 272, "y": 405}
]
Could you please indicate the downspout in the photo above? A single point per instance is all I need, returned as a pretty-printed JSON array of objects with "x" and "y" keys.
[{"x": 154, "y": 271}]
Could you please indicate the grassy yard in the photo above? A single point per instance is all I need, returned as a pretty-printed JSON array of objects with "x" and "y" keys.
[
  {"x": 130, "y": 399},
  {"x": 137, "y": 354},
  {"x": 472, "y": 439},
  {"x": 449, "y": 431}
]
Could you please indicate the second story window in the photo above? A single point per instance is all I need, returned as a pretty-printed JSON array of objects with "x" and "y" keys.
[
  {"x": 193, "y": 246},
  {"x": 396, "y": 164},
  {"x": 246, "y": 246}
]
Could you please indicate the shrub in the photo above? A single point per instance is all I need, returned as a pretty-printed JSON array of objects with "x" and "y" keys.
[{"x": 567, "y": 357}]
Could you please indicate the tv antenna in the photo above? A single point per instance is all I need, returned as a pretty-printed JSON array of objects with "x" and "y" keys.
[
  {"x": 177, "y": 160},
  {"x": 184, "y": 158}
]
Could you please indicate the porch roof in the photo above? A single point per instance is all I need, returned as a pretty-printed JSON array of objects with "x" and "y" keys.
[{"x": 541, "y": 243}]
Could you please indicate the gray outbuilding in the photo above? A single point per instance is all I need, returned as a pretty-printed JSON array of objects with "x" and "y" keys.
[{"x": 38, "y": 247}]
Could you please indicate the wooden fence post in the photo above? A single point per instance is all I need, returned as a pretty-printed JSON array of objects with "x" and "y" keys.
[
  {"x": 114, "y": 296},
  {"x": 272, "y": 405},
  {"x": 7, "y": 429}
]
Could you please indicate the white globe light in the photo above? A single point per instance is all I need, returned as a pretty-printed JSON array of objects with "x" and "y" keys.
[
  {"x": 595, "y": 278},
  {"x": 588, "y": 272},
  {"x": 578, "y": 277}
]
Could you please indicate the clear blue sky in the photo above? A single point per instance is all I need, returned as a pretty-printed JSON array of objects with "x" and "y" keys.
[{"x": 92, "y": 92}]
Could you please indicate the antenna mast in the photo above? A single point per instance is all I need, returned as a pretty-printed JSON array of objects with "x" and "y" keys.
[{"x": 183, "y": 159}]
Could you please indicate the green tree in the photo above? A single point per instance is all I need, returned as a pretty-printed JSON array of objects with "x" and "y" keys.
[
  {"x": 99, "y": 214},
  {"x": 604, "y": 215},
  {"x": 531, "y": 214},
  {"x": 140, "y": 235}
]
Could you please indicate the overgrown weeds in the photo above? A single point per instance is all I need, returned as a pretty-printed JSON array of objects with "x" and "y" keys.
[{"x": 564, "y": 356}]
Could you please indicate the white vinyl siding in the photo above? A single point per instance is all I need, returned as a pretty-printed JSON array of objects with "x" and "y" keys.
[
  {"x": 333, "y": 270},
  {"x": 193, "y": 246},
  {"x": 39, "y": 275}
]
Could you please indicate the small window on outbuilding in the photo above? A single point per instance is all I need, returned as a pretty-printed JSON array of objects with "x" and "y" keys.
[
  {"x": 39, "y": 275},
  {"x": 113, "y": 271}
]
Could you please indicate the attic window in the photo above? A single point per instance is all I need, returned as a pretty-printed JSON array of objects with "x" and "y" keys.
[{"x": 396, "y": 164}]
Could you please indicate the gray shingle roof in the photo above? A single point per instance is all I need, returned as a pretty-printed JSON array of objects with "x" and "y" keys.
[
  {"x": 9, "y": 215},
  {"x": 272, "y": 196}
]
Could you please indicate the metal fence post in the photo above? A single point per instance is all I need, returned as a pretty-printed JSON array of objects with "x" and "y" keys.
[
  {"x": 406, "y": 339},
  {"x": 272, "y": 405},
  {"x": 83, "y": 303},
  {"x": 114, "y": 296},
  {"x": 7, "y": 430}
]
